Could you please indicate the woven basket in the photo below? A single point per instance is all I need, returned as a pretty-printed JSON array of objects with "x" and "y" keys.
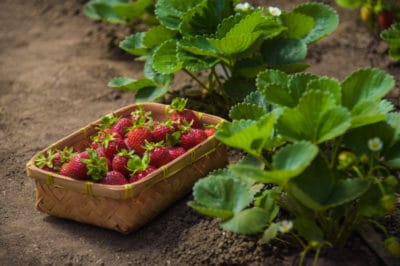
[{"x": 124, "y": 208}]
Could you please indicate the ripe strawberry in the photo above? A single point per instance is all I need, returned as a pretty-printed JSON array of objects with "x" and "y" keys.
[
  {"x": 76, "y": 168},
  {"x": 113, "y": 178},
  {"x": 209, "y": 131},
  {"x": 120, "y": 161},
  {"x": 97, "y": 166},
  {"x": 122, "y": 125},
  {"x": 141, "y": 174},
  {"x": 192, "y": 138},
  {"x": 136, "y": 139},
  {"x": 114, "y": 147},
  {"x": 181, "y": 114},
  {"x": 385, "y": 19},
  {"x": 175, "y": 152},
  {"x": 158, "y": 154},
  {"x": 161, "y": 131}
]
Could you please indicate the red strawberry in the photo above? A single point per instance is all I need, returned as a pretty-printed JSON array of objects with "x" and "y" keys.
[
  {"x": 209, "y": 131},
  {"x": 161, "y": 131},
  {"x": 114, "y": 147},
  {"x": 386, "y": 19},
  {"x": 136, "y": 139},
  {"x": 141, "y": 174},
  {"x": 122, "y": 125},
  {"x": 114, "y": 178},
  {"x": 175, "y": 152},
  {"x": 192, "y": 138},
  {"x": 181, "y": 114},
  {"x": 120, "y": 161},
  {"x": 159, "y": 156},
  {"x": 76, "y": 168}
]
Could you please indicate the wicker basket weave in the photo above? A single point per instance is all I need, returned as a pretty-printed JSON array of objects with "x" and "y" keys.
[{"x": 124, "y": 208}]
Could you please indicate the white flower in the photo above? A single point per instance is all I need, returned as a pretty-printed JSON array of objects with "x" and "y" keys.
[
  {"x": 285, "y": 226},
  {"x": 274, "y": 11},
  {"x": 375, "y": 144},
  {"x": 243, "y": 7}
]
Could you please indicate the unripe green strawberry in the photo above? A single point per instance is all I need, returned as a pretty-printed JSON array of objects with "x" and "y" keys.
[
  {"x": 391, "y": 181},
  {"x": 389, "y": 202},
  {"x": 393, "y": 246},
  {"x": 366, "y": 14}
]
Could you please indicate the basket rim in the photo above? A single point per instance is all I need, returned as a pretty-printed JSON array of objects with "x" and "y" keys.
[{"x": 209, "y": 145}]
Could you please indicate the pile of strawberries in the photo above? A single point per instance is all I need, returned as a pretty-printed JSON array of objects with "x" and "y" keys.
[{"x": 126, "y": 149}]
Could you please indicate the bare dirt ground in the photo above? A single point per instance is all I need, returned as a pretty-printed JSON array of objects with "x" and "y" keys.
[{"x": 54, "y": 67}]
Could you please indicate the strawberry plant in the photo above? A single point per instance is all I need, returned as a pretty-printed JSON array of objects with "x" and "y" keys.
[
  {"x": 376, "y": 14},
  {"x": 392, "y": 37},
  {"x": 323, "y": 151},
  {"x": 121, "y": 11},
  {"x": 227, "y": 41}
]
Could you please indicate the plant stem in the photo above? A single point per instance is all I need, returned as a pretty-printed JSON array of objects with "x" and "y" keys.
[
  {"x": 226, "y": 71},
  {"x": 196, "y": 79},
  {"x": 216, "y": 76},
  {"x": 338, "y": 141}
]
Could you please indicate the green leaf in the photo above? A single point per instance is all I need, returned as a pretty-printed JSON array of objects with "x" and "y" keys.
[
  {"x": 150, "y": 94},
  {"x": 204, "y": 18},
  {"x": 171, "y": 12},
  {"x": 249, "y": 221},
  {"x": 298, "y": 84},
  {"x": 317, "y": 188},
  {"x": 246, "y": 111},
  {"x": 316, "y": 118},
  {"x": 165, "y": 60},
  {"x": 279, "y": 95},
  {"x": 327, "y": 84},
  {"x": 237, "y": 88},
  {"x": 369, "y": 112},
  {"x": 370, "y": 204},
  {"x": 366, "y": 84},
  {"x": 224, "y": 214},
  {"x": 156, "y": 36},
  {"x": 271, "y": 76},
  {"x": 270, "y": 233},
  {"x": 247, "y": 135},
  {"x": 105, "y": 10},
  {"x": 280, "y": 51},
  {"x": 227, "y": 24},
  {"x": 350, "y": 3},
  {"x": 257, "y": 98},
  {"x": 129, "y": 84},
  {"x": 133, "y": 44},
  {"x": 392, "y": 156},
  {"x": 222, "y": 193},
  {"x": 392, "y": 36},
  {"x": 287, "y": 163},
  {"x": 249, "y": 67},
  {"x": 298, "y": 25},
  {"x": 139, "y": 7},
  {"x": 393, "y": 119},
  {"x": 245, "y": 33},
  {"x": 357, "y": 138},
  {"x": 325, "y": 20},
  {"x": 268, "y": 201},
  {"x": 150, "y": 73},
  {"x": 194, "y": 62},
  {"x": 308, "y": 229}
]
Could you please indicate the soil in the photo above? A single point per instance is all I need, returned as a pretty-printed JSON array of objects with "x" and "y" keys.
[{"x": 55, "y": 64}]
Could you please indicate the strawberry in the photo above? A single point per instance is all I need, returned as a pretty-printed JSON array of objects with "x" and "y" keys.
[
  {"x": 140, "y": 167},
  {"x": 181, "y": 114},
  {"x": 114, "y": 147},
  {"x": 76, "y": 168},
  {"x": 209, "y": 131},
  {"x": 120, "y": 161},
  {"x": 385, "y": 19},
  {"x": 136, "y": 139},
  {"x": 192, "y": 138},
  {"x": 107, "y": 121},
  {"x": 141, "y": 174},
  {"x": 113, "y": 178},
  {"x": 175, "y": 152},
  {"x": 53, "y": 159},
  {"x": 97, "y": 166},
  {"x": 161, "y": 131},
  {"x": 122, "y": 125},
  {"x": 158, "y": 154}
]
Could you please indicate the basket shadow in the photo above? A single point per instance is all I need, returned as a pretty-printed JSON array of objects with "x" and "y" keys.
[{"x": 164, "y": 231}]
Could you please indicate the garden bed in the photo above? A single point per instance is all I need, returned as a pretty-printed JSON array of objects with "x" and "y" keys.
[{"x": 55, "y": 66}]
